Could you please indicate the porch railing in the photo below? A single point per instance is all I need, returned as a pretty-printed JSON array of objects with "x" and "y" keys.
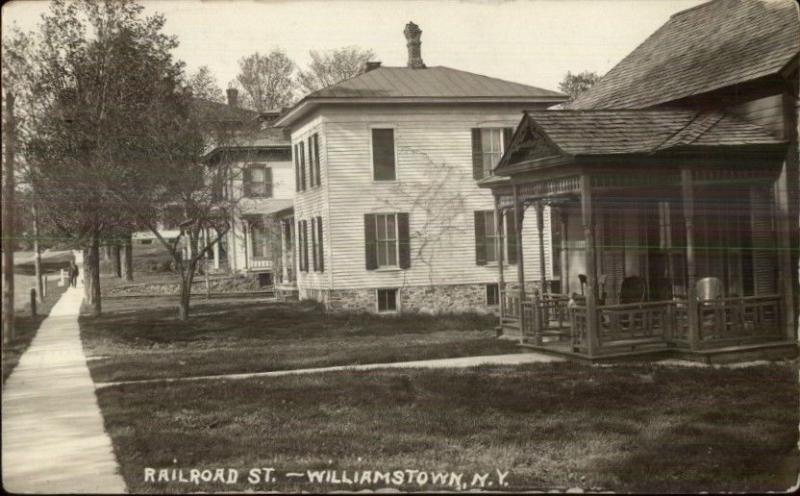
[
  {"x": 259, "y": 263},
  {"x": 724, "y": 321}
]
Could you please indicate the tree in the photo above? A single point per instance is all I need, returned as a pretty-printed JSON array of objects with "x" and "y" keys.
[
  {"x": 204, "y": 85},
  {"x": 575, "y": 84},
  {"x": 267, "y": 80},
  {"x": 100, "y": 74},
  {"x": 330, "y": 67}
]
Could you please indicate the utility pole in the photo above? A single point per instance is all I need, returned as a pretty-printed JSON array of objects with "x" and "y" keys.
[
  {"x": 8, "y": 222},
  {"x": 37, "y": 252}
]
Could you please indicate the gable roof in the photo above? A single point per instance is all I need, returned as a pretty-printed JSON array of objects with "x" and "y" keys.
[
  {"x": 211, "y": 111},
  {"x": 431, "y": 84},
  {"x": 711, "y": 46},
  {"x": 558, "y": 135}
]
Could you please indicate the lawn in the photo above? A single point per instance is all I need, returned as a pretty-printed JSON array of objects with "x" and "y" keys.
[
  {"x": 25, "y": 326},
  {"x": 633, "y": 427},
  {"x": 140, "y": 338}
]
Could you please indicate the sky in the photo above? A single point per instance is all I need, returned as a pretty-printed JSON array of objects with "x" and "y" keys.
[{"x": 533, "y": 42}]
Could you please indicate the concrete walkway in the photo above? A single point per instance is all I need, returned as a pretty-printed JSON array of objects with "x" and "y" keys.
[
  {"x": 53, "y": 436},
  {"x": 442, "y": 363}
]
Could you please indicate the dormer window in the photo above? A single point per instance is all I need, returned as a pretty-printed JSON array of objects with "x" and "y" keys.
[{"x": 257, "y": 181}]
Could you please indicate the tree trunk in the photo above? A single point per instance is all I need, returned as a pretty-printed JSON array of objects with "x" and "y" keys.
[
  {"x": 127, "y": 258},
  {"x": 115, "y": 260},
  {"x": 8, "y": 222},
  {"x": 91, "y": 275},
  {"x": 186, "y": 294}
]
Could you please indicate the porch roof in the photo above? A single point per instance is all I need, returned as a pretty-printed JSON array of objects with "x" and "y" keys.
[{"x": 555, "y": 136}]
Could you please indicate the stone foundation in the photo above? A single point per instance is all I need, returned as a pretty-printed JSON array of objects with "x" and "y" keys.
[{"x": 454, "y": 298}]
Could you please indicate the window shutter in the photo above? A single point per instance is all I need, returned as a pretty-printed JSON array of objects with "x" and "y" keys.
[
  {"x": 305, "y": 245},
  {"x": 299, "y": 247},
  {"x": 296, "y": 170},
  {"x": 477, "y": 154},
  {"x": 246, "y": 179},
  {"x": 316, "y": 159},
  {"x": 302, "y": 146},
  {"x": 314, "y": 243},
  {"x": 268, "y": 182},
  {"x": 320, "y": 246},
  {"x": 511, "y": 236},
  {"x": 480, "y": 238},
  {"x": 312, "y": 180},
  {"x": 404, "y": 241},
  {"x": 370, "y": 242},
  {"x": 508, "y": 132}
]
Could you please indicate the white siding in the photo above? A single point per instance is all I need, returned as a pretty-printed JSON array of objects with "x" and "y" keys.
[{"x": 434, "y": 186}]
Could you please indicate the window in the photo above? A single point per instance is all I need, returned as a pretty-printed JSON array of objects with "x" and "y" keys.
[
  {"x": 488, "y": 146},
  {"x": 492, "y": 294},
  {"x": 257, "y": 181},
  {"x": 259, "y": 242},
  {"x": 486, "y": 237},
  {"x": 302, "y": 245},
  {"x": 383, "y": 159},
  {"x": 313, "y": 160},
  {"x": 387, "y": 241},
  {"x": 320, "y": 252},
  {"x": 387, "y": 300}
]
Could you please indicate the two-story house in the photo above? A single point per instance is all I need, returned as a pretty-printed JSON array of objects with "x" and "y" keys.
[
  {"x": 388, "y": 214},
  {"x": 260, "y": 183}
]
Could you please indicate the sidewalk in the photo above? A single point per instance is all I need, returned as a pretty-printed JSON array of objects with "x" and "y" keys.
[
  {"x": 440, "y": 363},
  {"x": 53, "y": 436}
]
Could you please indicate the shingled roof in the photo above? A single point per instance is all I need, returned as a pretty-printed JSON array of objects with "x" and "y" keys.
[
  {"x": 557, "y": 134},
  {"x": 708, "y": 47}
]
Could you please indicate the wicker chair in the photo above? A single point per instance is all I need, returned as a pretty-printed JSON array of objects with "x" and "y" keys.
[{"x": 632, "y": 290}]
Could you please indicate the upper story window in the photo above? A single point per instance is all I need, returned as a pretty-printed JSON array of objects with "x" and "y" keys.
[
  {"x": 383, "y": 155},
  {"x": 313, "y": 160},
  {"x": 488, "y": 146},
  {"x": 257, "y": 181},
  {"x": 300, "y": 166}
]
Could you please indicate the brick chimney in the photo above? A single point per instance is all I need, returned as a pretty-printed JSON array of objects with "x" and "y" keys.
[
  {"x": 413, "y": 34},
  {"x": 233, "y": 97}
]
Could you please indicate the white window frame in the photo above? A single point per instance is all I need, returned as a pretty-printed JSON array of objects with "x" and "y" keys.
[
  {"x": 378, "y": 241},
  {"x": 501, "y": 130}
]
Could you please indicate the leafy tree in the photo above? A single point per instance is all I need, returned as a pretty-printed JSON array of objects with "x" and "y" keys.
[
  {"x": 330, "y": 67},
  {"x": 101, "y": 80},
  {"x": 204, "y": 85},
  {"x": 575, "y": 84},
  {"x": 267, "y": 80}
]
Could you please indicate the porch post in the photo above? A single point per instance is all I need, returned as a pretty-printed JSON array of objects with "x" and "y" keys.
[
  {"x": 518, "y": 213},
  {"x": 246, "y": 236},
  {"x": 540, "y": 228},
  {"x": 687, "y": 189},
  {"x": 562, "y": 218},
  {"x": 498, "y": 225},
  {"x": 591, "y": 286},
  {"x": 215, "y": 249},
  {"x": 786, "y": 272}
]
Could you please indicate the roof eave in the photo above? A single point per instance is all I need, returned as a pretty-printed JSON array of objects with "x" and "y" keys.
[{"x": 306, "y": 105}]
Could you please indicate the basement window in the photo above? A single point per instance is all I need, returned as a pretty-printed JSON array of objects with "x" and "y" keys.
[{"x": 387, "y": 300}]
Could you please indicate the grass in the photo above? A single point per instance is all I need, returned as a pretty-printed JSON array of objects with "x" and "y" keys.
[
  {"x": 142, "y": 339},
  {"x": 25, "y": 326},
  {"x": 633, "y": 427}
]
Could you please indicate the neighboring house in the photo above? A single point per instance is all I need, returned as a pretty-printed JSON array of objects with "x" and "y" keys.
[
  {"x": 388, "y": 213},
  {"x": 675, "y": 179},
  {"x": 261, "y": 185}
]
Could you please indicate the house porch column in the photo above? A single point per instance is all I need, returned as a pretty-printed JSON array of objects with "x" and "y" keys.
[
  {"x": 519, "y": 212},
  {"x": 687, "y": 190},
  {"x": 786, "y": 272},
  {"x": 591, "y": 273},
  {"x": 498, "y": 225}
]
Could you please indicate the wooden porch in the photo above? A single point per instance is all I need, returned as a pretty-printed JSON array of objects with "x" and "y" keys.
[{"x": 706, "y": 290}]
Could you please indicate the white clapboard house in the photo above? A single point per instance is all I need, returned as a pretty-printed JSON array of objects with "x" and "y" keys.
[
  {"x": 260, "y": 181},
  {"x": 388, "y": 213}
]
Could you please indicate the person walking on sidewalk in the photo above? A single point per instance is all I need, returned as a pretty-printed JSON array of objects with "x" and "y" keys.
[{"x": 73, "y": 274}]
